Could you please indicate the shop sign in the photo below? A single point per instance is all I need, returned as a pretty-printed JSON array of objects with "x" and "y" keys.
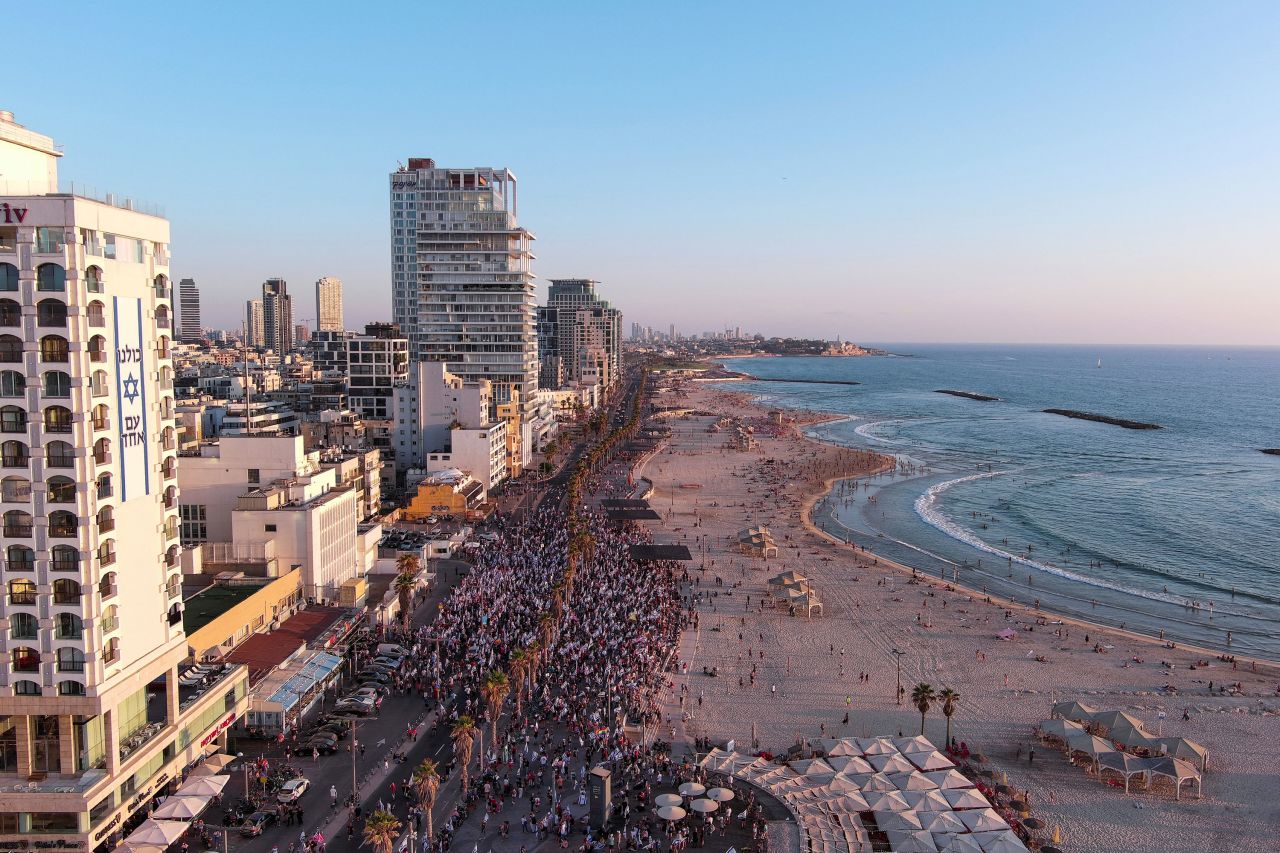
[{"x": 219, "y": 729}]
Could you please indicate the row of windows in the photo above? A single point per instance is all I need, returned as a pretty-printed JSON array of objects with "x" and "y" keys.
[
  {"x": 66, "y": 626},
  {"x": 62, "y": 558},
  {"x": 52, "y": 278},
  {"x": 23, "y": 687}
]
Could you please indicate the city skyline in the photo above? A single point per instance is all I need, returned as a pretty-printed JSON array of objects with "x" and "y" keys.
[{"x": 998, "y": 174}]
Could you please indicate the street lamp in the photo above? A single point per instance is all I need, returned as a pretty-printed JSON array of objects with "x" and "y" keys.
[{"x": 898, "y": 655}]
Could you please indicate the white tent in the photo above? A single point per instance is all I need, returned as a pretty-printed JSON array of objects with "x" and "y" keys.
[
  {"x": 1123, "y": 763},
  {"x": 180, "y": 808},
  {"x": 913, "y": 781},
  {"x": 1000, "y": 841},
  {"x": 915, "y": 743},
  {"x": 844, "y": 746},
  {"x": 811, "y": 767},
  {"x": 903, "y": 820},
  {"x": 918, "y": 841},
  {"x": 878, "y": 782},
  {"x": 927, "y": 801},
  {"x": 981, "y": 820},
  {"x": 1073, "y": 710},
  {"x": 877, "y": 746},
  {"x": 942, "y": 821},
  {"x": 849, "y": 764},
  {"x": 1180, "y": 747},
  {"x": 160, "y": 833},
  {"x": 966, "y": 798},
  {"x": 1060, "y": 728},
  {"x": 886, "y": 801},
  {"x": 1090, "y": 745},
  {"x": 1176, "y": 769},
  {"x": 894, "y": 763},
  {"x": 930, "y": 760},
  {"x": 950, "y": 778},
  {"x": 960, "y": 844}
]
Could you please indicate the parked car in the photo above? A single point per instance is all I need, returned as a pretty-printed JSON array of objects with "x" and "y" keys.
[
  {"x": 292, "y": 791},
  {"x": 337, "y": 728},
  {"x": 375, "y": 675},
  {"x": 255, "y": 823},
  {"x": 356, "y": 706}
]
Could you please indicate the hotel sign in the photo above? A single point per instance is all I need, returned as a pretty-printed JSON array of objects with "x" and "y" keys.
[
  {"x": 219, "y": 729},
  {"x": 131, "y": 400},
  {"x": 13, "y": 215}
]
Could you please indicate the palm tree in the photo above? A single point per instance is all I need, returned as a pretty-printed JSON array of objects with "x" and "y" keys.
[
  {"x": 546, "y": 630},
  {"x": 494, "y": 689},
  {"x": 518, "y": 667},
  {"x": 949, "y": 699},
  {"x": 922, "y": 697},
  {"x": 464, "y": 733},
  {"x": 381, "y": 831},
  {"x": 406, "y": 583},
  {"x": 426, "y": 783}
]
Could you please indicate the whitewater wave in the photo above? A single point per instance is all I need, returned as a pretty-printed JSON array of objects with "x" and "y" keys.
[
  {"x": 926, "y": 507},
  {"x": 866, "y": 431}
]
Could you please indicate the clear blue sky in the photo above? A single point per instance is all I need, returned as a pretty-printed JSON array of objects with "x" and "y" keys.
[{"x": 1090, "y": 172}]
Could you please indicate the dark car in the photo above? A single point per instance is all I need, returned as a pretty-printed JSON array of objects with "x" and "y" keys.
[
  {"x": 255, "y": 823},
  {"x": 375, "y": 675},
  {"x": 337, "y": 728}
]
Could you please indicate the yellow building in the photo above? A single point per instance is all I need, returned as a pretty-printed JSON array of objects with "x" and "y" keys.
[
  {"x": 445, "y": 493},
  {"x": 510, "y": 413}
]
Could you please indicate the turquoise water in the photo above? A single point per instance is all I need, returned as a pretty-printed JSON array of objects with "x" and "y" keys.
[{"x": 1174, "y": 530}]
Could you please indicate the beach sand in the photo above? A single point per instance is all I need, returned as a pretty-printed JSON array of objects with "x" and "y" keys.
[{"x": 708, "y": 492}]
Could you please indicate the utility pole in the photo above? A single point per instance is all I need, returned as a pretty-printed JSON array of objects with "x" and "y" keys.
[{"x": 898, "y": 655}]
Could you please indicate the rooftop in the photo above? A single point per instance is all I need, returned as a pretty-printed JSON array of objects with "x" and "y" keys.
[{"x": 213, "y": 601}]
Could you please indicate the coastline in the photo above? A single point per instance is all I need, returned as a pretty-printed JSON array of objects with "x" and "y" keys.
[{"x": 948, "y": 638}]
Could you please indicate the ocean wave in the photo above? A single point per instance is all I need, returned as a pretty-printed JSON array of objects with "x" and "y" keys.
[
  {"x": 865, "y": 430},
  {"x": 926, "y": 507}
]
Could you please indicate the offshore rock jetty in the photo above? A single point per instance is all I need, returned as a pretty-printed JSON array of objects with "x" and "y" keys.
[
  {"x": 1102, "y": 419},
  {"x": 807, "y": 381},
  {"x": 1271, "y": 451},
  {"x": 969, "y": 395}
]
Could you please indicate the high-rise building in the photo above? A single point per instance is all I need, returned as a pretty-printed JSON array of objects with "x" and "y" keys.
[
  {"x": 255, "y": 330},
  {"x": 189, "y": 310},
  {"x": 462, "y": 289},
  {"x": 579, "y": 335},
  {"x": 377, "y": 362},
  {"x": 301, "y": 333},
  {"x": 95, "y": 714},
  {"x": 329, "y": 304},
  {"x": 277, "y": 316}
]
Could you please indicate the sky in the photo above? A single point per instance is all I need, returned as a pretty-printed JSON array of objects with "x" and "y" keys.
[{"x": 947, "y": 172}]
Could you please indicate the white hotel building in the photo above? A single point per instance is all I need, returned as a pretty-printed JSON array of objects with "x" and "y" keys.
[{"x": 93, "y": 720}]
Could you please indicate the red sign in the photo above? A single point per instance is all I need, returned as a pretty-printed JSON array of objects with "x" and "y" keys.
[
  {"x": 218, "y": 729},
  {"x": 13, "y": 214}
]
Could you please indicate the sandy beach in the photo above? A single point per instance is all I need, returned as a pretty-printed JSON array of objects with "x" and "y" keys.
[{"x": 808, "y": 672}]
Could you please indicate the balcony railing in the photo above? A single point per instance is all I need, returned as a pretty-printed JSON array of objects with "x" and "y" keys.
[
  {"x": 107, "y": 559},
  {"x": 97, "y": 321},
  {"x": 107, "y": 590},
  {"x": 65, "y": 565},
  {"x": 101, "y": 423},
  {"x": 15, "y": 460},
  {"x": 61, "y": 460},
  {"x": 18, "y": 531},
  {"x": 109, "y": 624},
  {"x": 106, "y": 525},
  {"x": 102, "y": 457}
]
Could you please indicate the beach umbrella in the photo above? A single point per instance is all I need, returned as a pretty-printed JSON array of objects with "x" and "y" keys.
[
  {"x": 219, "y": 760},
  {"x": 693, "y": 789},
  {"x": 917, "y": 841},
  {"x": 720, "y": 795},
  {"x": 877, "y": 746},
  {"x": 961, "y": 844},
  {"x": 158, "y": 833},
  {"x": 981, "y": 820},
  {"x": 894, "y": 763},
  {"x": 850, "y": 764},
  {"x": 848, "y": 803},
  {"x": 843, "y": 785},
  {"x": 879, "y": 782},
  {"x": 929, "y": 760},
  {"x": 205, "y": 786},
  {"x": 1073, "y": 710},
  {"x": 1033, "y": 823},
  {"x": 950, "y": 778},
  {"x": 966, "y": 798},
  {"x": 927, "y": 801},
  {"x": 915, "y": 743},
  {"x": 913, "y": 781},
  {"x": 812, "y": 767},
  {"x": 942, "y": 821},
  {"x": 202, "y": 770},
  {"x": 903, "y": 820},
  {"x": 180, "y": 808},
  {"x": 886, "y": 801},
  {"x": 1000, "y": 841},
  {"x": 845, "y": 746},
  {"x": 668, "y": 800},
  {"x": 671, "y": 813},
  {"x": 704, "y": 806}
]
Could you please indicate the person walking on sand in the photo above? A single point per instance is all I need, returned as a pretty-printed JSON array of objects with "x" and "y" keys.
[{"x": 1031, "y": 755}]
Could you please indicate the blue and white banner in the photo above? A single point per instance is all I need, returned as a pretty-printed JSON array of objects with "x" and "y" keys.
[{"x": 132, "y": 448}]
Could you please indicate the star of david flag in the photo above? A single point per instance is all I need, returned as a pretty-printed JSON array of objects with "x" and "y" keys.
[{"x": 132, "y": 450}]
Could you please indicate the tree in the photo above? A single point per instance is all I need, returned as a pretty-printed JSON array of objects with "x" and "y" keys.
[
  {"x": 464, "y": 733},
  {"x": 426, "y": 784},
  {"x": 949, "y": 699},
  {"x": 494, "y": 689},
  {"x": 922, "y": 697},
  {"x": 518, "y": 670},
  {"x": 381, "y": 831},
  {"x": 406, "y": 583}
]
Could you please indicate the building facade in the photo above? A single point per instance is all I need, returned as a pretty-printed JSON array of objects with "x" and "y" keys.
[
  {"x": 255, "y": 329},
  {"x": 93, "y": 719},
  {"x": 329, "y": 304},
  {"x": 377, "y": 362},
  {"x": 462, "y": 287},
  {"x": 277, "y": 316},
  {"x": 579, "y": 336},
  {"x": 190, "y": 329}
]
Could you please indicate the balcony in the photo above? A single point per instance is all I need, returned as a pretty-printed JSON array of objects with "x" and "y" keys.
[
  {"x": 101, "y": 424},
  {"x": 106, "y": 525},
  {"x": 64, "y": 531},
  {"x": 24, "y": 598},
  {"x": 18, "y": 531},
  {"x": 100, "y": 389},
  {"x": 109, "y": 624},
  {"x": 65, "y": 565},
  {"x": 105, "y": 490},
  {"x": 107, "y": 590},
  {"x": 98, "y": 355},
  {"x": 102, "y": 457},
  {"x": 15, "y": 460},
  {"x": 97, "y": 321},
  {"x": 107, "y": 559}
]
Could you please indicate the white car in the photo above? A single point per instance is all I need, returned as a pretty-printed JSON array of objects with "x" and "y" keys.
[{"x": 293, "y": 790}]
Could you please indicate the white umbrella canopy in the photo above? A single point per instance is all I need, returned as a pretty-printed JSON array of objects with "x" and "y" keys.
[
  {"x": 203, "y": 770},
  {"x": 917, "y": 841},
  {"x": 848, "y": 803},
  {"x": 966, "y": 798},
  {"x": 671, "y": 813},
  {"x": 220, "y": 760},
  {"x": 878, "y": 782},
  {"x": 904, "y": 820},
  {"x": 849, "y": 764},
  {"x": 877, "y": 746},
  {"x": 982, "y": 820},
  {"x": 160, "y": 833},
  {"x": 1090, "y": 745},
  {"x": 961, "y": 844},
  {"x": 845, "y": 746},
  {"x": 812, "y": 767},
  {"x": 1060, "y": 728},
  {"x": 141, "y": 848},
  {"x": 927, "y": 801},
  {"x": 704, "y": 806},
  {"x": 668, "y": 800},
  {"x": 916, "y": 743},
  {"x": 886, "y": 801},
  {"x": 843, "y": 785},
  {"x": 693, "y": 789},
  {"x": 893, "y": 763},
  {"x": 942, "y": 821},
  {"x": 930, "y": 760},
  {"x": 913, "y": 781},
  {"x": 950, "y": 778},
  {"x": 1000, "y": 841},
  {"x": 204, "y": 786},
  {"x": 1073, "y": 710},
  {"x": 720, "y": 795},
  {"x": 180, "y": 808}
]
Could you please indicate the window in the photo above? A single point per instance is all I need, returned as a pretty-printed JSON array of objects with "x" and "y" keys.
[
  {"x": 63, "y": 524},
  {"x": 10, "y": 349},
  {"x": 93, "y": 278},
  {"x": 13, "y": 419},
  {"x": 57, "y": 384},
  {"x": 107, "y": 586},
  {"x": 67, "y": 688},
  {"x": 111, "y": 652},
  {"x": 26, "y": 688},
  {"x": 109, "y": 247},
  {"x": 12, "y": 383},
  {"x": 49, "y": 239},
  {"x": 66, "y": 591},
  {"x": 10, "y": 313},
  {"x": 23, "y": 626},
  {"x": 57, "y": 419},
  {"x": 194, "y": 527},
  {"x": 51, "y": 312},
  {"x": 97, "y": 348},
  {"x": 68, "y": 626},
  {"x": 25, "y": 659},
  {"x": 102, "y": 451},
  {"x": 70, "y": 660},
  {"x": 20, "y": 558},
  {"x": 107, "y": 556},
  {"x": 60, "y": 490},
  {"x": 97, "y": 317},
  {"x": 255, "y": 475},
  {"x": 162, "y": 317},
  {"x": 54, "y": 348},
  {"x": 64, "y": 558},
  {"x": 271, "y": 528},
  {"x": 17, "y": 524},
  {"x": 51, "y": 277},
  {"x": 59, "y": 454},
  {"x": 169, "y": 468},
  {"x": 105, "y": 489},
  {"x": 99, "y": 385},
  {"x": 106, "y": 520},
  {"x": 101, "y": 417},
  {"x": 8, "y": 278}
]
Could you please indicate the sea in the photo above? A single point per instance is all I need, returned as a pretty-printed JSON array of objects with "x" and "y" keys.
[{"x": 1172, "y": 532}]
